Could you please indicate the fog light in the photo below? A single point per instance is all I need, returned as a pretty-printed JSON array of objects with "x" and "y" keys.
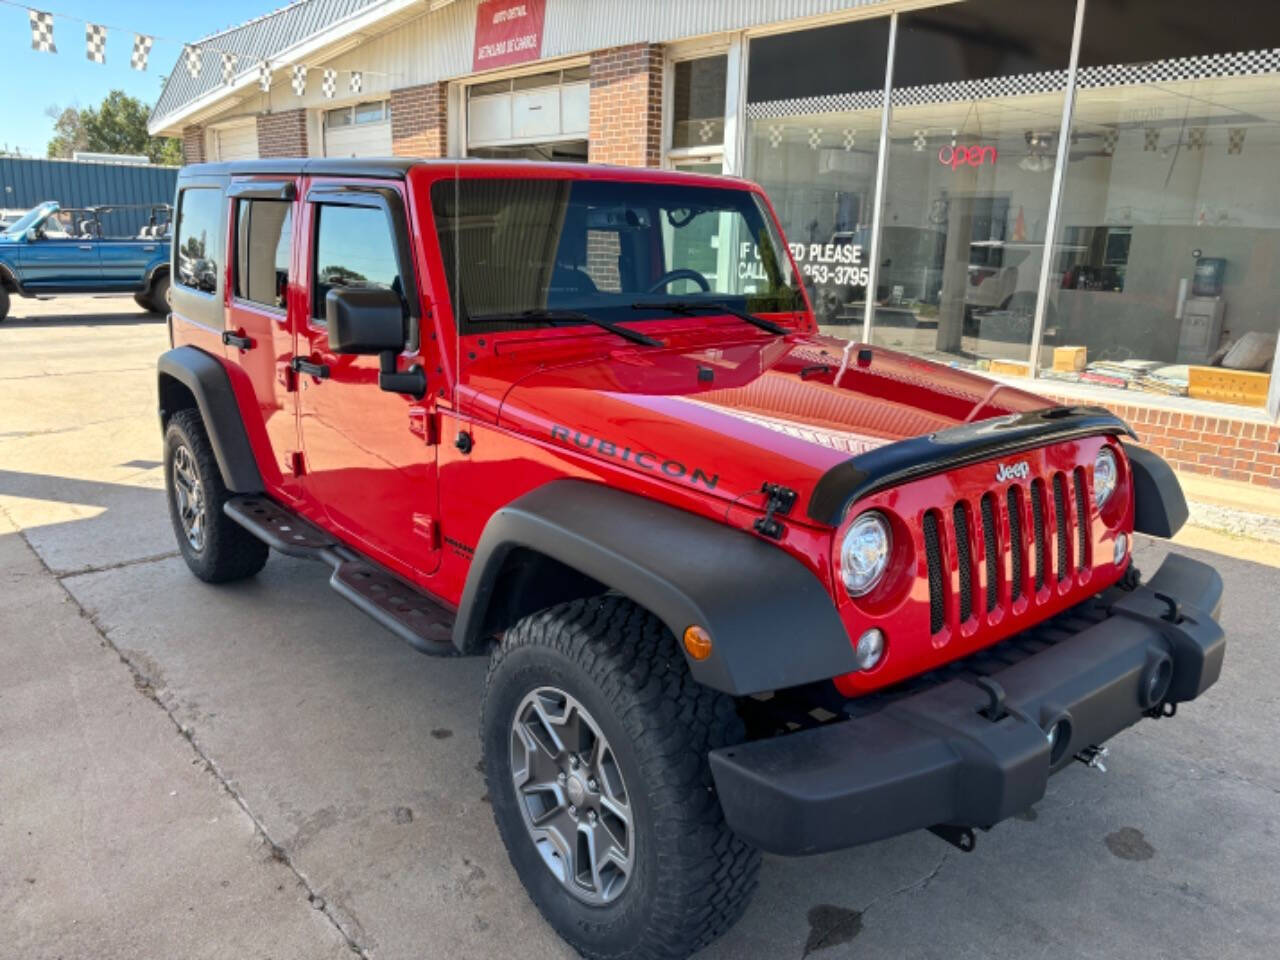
[
  {"x": 1121, "y": 548},
  {"x": 869, "y": 650}
]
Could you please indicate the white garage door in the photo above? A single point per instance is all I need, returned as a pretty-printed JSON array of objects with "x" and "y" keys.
[
  {"x": 239, "y": 142},
  {"x": 361, "y": 130}
]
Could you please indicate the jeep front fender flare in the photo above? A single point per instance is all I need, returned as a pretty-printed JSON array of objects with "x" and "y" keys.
[
  {"x": 206, "y": 379},
  {"x": 772, "y": 623}
]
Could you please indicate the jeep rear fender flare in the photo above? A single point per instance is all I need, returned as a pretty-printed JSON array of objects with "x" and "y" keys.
[
  {"x": 771, "y": 621},
  {"x": 205, "y": 379}
]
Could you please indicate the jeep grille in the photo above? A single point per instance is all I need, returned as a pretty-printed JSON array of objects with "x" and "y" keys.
[{"x": 1042, "y": 534}]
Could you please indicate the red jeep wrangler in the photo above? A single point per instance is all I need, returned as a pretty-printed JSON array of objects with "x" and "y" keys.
[{"x": 743, "y": 587}]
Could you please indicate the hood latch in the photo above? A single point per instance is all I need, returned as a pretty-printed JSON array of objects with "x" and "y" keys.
[{"x": 778, "y": 503}]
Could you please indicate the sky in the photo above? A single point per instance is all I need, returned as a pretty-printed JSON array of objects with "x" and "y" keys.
[{"x": 35, "y": 81}]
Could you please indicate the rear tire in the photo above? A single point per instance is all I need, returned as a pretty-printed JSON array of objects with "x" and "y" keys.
[
  {"x": 4, "y": 303},
  {"x": 215, "y": 547},
  {"x": 617, "y": 669}
]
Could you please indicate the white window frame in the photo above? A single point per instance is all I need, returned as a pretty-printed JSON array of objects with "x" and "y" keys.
[
  {"x": 719, "y": 45},
  {"x": 460, "y": 100}
]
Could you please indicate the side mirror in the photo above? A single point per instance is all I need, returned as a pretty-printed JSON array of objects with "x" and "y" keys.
[
  {"x": 371, "y": 320},
  {"x": 32, "y": 235},
  {"x": 364, "y": 319}
]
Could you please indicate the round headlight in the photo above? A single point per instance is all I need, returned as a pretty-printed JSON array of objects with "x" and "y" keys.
[
  {"x": 1105, "y": 473},
  {"x": 864, "y": 554}
]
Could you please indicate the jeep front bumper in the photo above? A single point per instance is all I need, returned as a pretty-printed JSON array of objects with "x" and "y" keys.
[{"x": 952, "y": 755}]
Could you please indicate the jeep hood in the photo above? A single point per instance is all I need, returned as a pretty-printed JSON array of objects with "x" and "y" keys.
[{"x": 725, "y": 419}]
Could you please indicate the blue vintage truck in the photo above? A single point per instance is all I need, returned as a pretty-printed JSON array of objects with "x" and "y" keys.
[{"x": 55, "y": 250}]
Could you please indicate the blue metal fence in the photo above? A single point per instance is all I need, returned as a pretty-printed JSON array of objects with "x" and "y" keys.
[{"x": 27, "y": 181}]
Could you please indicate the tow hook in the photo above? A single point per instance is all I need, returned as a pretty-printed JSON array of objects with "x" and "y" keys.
[{"x": 1092, "y": 758}]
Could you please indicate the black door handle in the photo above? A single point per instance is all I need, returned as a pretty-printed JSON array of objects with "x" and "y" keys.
[
  {"x": 319, "y": 370},
  {"x": 236, "y": 340}
]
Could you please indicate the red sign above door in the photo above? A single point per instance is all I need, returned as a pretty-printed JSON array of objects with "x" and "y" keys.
[{"x": 508, "y": 32}]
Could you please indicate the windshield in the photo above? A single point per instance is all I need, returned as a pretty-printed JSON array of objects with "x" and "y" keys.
[
  {"x": 599, "y": 246},
  {"x": 28, "y": 219}
]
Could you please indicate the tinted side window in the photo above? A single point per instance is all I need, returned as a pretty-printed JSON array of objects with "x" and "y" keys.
[
  {"x": 354, "y": 248},
  {"x": 199, "y": 246},
  {"x": 264, "y": 243}
]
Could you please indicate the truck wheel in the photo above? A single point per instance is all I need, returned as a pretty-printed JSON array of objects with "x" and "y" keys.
[
  {"x": 4, "y": 303},
  {"x": 158, "y": 297},
  {"x": 595, "y": 743},
  {"x": 216, "y": 548}
]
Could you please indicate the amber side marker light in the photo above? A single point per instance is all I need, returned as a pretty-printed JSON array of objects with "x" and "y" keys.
[{"x": 697, "y": 642}]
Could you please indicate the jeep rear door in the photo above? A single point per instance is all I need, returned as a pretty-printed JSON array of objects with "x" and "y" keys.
[
  {"x": 266, "y": 302},
  {"x": 370, "y": 455}
]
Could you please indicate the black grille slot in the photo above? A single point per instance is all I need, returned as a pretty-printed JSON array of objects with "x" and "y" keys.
[
  {"x": 990, "y": 550},
  {"x": 1060, "y": 521},
  {"x": 1037, "y": 531},
  {"x": 933, "y": 555},
  {"x": 1082, "y": 521},
  {"x": 964, "y": 560},
  {"x": 1015, "y": 543}
]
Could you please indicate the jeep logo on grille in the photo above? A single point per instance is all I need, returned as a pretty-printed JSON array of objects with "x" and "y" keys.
[{"x": 1009, "y": 471}]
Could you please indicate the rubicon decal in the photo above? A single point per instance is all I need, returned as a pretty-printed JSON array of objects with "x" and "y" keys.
[{"x": 644, "y": 459}]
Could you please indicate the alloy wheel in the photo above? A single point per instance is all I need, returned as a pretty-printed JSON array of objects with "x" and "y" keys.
[
  {"x": 188, "y": 495},
  {"x": 572, "y": 795}
]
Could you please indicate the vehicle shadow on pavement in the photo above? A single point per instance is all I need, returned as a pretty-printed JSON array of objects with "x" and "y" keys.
[{"x": 59, "y": 515}]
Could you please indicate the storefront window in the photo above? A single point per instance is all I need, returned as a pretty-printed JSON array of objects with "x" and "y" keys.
[
  {"x": 697, "y": 102},
  {"x": 977, "y": 105},
  {"x": 1165, "y": 272},
  {"x": 813, "y": 135}
]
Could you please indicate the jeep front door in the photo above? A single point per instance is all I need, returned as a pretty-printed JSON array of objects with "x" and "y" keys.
[
  {"x": 369, "y": 455},
  {"x": 61, "y": 253}
]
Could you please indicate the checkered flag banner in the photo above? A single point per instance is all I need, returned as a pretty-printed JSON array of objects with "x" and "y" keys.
[
  {"x": 329, "y": 85},
  {"x": 299, "y": 81},
  {"x": 229, "y": 61},
  {"x": 264, "y": 77},
  {"x": 95, "y": 43},
  {"x": 193, "y": 59},
  {"x": 357, "y": 81},
  {"x": 41, "y": 31},
  {"x": 141, "y": 51}
]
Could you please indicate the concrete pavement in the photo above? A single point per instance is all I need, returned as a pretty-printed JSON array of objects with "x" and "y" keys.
[{"x": 268, "y": 773}]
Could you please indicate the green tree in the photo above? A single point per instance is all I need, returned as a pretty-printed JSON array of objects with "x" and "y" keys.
[
  {"x": 117, "y": 125},
  {"x": 68, "y": 132}
]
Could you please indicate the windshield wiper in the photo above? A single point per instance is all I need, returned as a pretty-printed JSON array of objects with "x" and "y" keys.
[
  {"x": 576, "y": 316},
  {"x": 690, "y": 307}
]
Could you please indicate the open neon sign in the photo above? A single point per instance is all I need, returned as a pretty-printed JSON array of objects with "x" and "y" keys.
[{"x": 960, "y": 156}]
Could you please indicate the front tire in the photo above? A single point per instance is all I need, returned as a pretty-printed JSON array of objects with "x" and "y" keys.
[
  {"x": 595, "y": 741},
  {"x": 4, "y": 303},
  {"x": 215, "y": 547}
]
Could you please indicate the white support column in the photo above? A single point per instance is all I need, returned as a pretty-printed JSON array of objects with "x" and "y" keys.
[
  {"x": 882, "y": 169},
  {"x": 735, "y": 107},
  {"x": 1055, "y": 192}
]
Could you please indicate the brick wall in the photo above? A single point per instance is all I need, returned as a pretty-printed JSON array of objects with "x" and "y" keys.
[
  {"x": 1222, "y": 447},
  {"x": 283, "y": 134},
  {"x": 193, "y": 145},
  {"x": 419, "y": 121},
  {"x": 626, "y": 106}
]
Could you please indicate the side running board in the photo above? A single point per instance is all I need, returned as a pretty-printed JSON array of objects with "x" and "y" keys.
[{"x": 399, "y": 606}]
